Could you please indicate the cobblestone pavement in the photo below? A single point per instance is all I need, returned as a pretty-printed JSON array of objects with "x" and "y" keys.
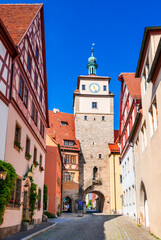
[{"x": 95, "y": 227}]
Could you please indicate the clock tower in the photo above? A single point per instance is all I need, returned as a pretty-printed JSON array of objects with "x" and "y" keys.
[{"x": 94, "y": 126}]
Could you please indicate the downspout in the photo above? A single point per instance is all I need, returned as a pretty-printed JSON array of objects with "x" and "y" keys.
[{"x": 114, "y": 181}]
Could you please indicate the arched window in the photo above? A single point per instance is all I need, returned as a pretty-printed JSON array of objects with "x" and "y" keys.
[{"x": 95, "y": 171}]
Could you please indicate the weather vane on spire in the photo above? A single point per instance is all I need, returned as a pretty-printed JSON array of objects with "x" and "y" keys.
[{"x": 92, "y": 49}]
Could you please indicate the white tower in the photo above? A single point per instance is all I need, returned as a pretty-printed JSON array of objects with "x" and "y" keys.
[{"x": 93, "y": 110}]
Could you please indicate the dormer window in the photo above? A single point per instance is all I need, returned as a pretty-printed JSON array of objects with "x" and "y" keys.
[
  {"x": 83, "y": 87},
  {"x": 68, "y": 143},
  {"x": 64, "y": 123}
]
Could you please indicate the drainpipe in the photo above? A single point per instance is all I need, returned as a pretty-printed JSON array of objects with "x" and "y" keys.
[{"x": 114, "y": 181}]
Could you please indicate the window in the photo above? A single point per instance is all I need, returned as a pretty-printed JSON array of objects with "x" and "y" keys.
[
  {"x": 83, "y": 87},
  {"x": 70, "y": 159},
  {"x": 35, "y": 80},
  {"x": 103, "y": 118},
  {"x": 27, "y": 145},
  {"x": 73, "y": 159},
  {"x": 41, "y": 129},
  {"x": 29, "y": 63},
  {"x": 95, "y": 172},
  {"x": 119, "y": 160},
  {"x": 85, "y": 118},
  {"x": 40, "y": 161},
  {"x": 104, "y": 88},
  {"x": 153, "y": 117},
  {"x": 37, "y": 53},
  {"x": 100, "y": 156},
  {"x": 34, "y": 114},
  {"x": 67, "y": 159},
  {"x": 128, "y": 167},
  {"x": 21, "y": 86},
  {"x": 69, "y": 176},
  {"x": 40, "y": 94},
  {"x": 129, "y": 196},
  {"x": 17, "y": 133},
  {"x": 68, "y": 143},
  {"x": 39, "y": 199},
  {"x": 16, "y": 194},
  {"x": 120, "y": 178},
  {"x": 25, "y": 100},
  {"x": 94, "y": 104},
  {"x": 35, "y": 154},
  {"x": 64, "y": 123},
  {"x": 144, "y": 137}
]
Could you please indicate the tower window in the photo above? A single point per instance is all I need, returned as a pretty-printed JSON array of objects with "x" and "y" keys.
[
  {"x": 94, "y": 104},
  {"x": 83, "y": 87},
  {"x": 95, "y": 172},
  {"x": 100, "y": 156},
  {"x": 103, "y": 118},
  {"x": 104, "y": 88},
  {"x": 85, "y": 117},
  {"x": 64, "y": 123}
]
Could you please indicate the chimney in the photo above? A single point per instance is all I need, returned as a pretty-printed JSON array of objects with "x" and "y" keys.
[{"x": 55, "y": 110}]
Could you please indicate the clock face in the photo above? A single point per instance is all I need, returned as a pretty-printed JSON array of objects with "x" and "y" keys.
[{"x": 94, "y": 87}]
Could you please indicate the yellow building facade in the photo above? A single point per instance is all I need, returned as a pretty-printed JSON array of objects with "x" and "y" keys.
[{"x": 115, "y": 178}]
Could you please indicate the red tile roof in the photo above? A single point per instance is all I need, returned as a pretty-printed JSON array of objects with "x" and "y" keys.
[
  {"x": 17, "y": 18},
  {"x": 63, "y": 132},
  {"x": 114, "y": 148},
  {"x": 132, "y": 83}
]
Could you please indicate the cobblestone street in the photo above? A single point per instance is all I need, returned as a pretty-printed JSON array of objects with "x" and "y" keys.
[{"x": 95, "y": 227}]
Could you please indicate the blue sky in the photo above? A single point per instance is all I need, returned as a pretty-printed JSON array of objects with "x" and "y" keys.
[{"x": 116, "y": 28}]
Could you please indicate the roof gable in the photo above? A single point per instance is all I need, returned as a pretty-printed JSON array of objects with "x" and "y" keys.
[
  {"x": 17, "y": 18},
  {"x": 132, "y": 83},
  {"x": 60, "y": 131}
]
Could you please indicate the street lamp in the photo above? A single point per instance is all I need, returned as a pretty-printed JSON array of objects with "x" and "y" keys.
[{"x": 3, "y": 174}]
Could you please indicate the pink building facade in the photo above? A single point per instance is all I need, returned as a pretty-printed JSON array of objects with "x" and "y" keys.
[{"x": 27, "y": 110}]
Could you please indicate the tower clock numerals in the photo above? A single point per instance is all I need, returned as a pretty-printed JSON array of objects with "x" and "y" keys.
[{"x": 94, "y": 87}]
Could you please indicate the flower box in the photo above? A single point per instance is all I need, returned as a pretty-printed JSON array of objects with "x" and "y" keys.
[
  {"x": 17, "y": 145},
  {"x": 41, "y": 169},
  {"x": 27, "y": 156},
  {"x": 35, "y": 163}
]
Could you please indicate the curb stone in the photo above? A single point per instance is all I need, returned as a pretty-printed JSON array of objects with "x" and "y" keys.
[{"x": 39, "y": 232}]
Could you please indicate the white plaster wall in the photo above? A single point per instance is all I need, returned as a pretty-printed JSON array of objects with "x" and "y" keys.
[
  {"x": 85, "y": 104},
  {"x": 2, "y": 50},
  {"x": 3, "y": 128},
  {"x": 87, "y": 84},
  {"x": 128, "y": 182}
]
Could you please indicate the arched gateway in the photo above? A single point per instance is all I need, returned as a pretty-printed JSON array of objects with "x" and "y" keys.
[
  {"x": 93, "y": 111},
  {"x": 100, "y": 200}
]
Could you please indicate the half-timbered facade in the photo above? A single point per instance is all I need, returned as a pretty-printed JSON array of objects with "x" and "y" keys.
[
  {"x": 62, "y": 129},
  {"x": 147, "y": 133},
  {"x": 8, "y": 53},
  {"x": 28, "y": 109},
  {"x": 129, "y": 104}
]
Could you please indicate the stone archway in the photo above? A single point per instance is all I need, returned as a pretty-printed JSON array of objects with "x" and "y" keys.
[
  {"x": 67, "y": 204},
  {"x": 99, "y": 194},
  {"x": 144, "y": 213}
]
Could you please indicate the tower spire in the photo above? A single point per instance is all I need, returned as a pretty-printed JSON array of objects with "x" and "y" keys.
[{"x": 92, "y": 65}]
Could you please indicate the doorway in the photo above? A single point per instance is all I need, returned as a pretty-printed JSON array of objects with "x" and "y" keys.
[{"x": 67, "y": 205}]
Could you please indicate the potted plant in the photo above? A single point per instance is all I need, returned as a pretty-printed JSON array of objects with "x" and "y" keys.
[
  {"x": 27, "y": 156},
  {"x": 41, "y": 168},
  {"x": 17, "y": 145},
  {"x": 35, "y": 163},
  {"x": 17, "y": 203}
]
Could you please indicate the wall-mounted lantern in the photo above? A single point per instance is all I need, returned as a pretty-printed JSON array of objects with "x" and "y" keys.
[{"x": 3, "y": 174}]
